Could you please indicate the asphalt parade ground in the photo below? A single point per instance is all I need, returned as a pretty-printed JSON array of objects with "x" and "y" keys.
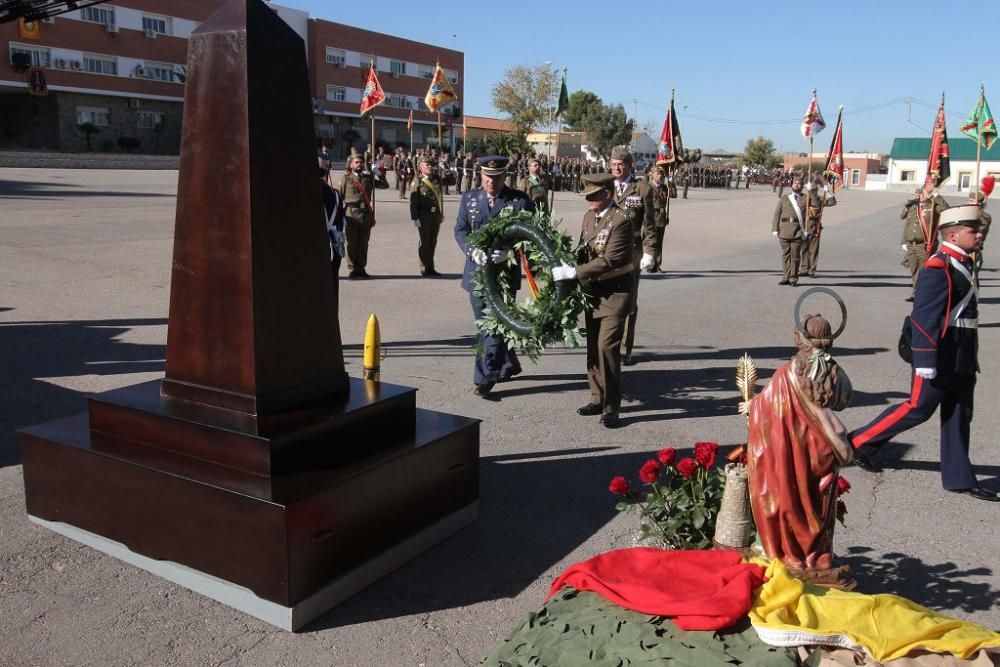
[{"x": 85, "y": 261}]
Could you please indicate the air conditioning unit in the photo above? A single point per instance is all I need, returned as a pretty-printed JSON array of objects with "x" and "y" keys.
[
  {"x": 77, "y": 65},
  {"x": 150, "y": 33},
  {"x": 111, "y": 27},
  {"x": 60, "y": 63},
  {"x": 49, "y": 19},
  {"x": 139, "y": 71},
  {"x": 133, "y": 103}
]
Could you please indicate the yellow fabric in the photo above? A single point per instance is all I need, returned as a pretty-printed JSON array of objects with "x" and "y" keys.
[{"x": 887, "y": 626}]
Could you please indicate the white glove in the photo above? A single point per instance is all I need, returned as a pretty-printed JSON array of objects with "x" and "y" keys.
[
  {"x": 648, "y": 261},
  {"x": 826, "y": 191},
  {"x": 564, "y": 272},
  {"x": 904, "y": 247},
  {"x": 416, "y": 223},
  {"x": 499, "y": 256},
  {"x": 926, "y": 373},
  {"x": 479, "y": 256},
  {"x": 774, "y": 234}
]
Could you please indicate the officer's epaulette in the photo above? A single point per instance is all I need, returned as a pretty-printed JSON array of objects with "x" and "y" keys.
[{"x": 936, "y": 262}]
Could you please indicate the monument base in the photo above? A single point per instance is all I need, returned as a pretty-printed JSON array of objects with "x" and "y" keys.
[{"x": 241, "y": 598}]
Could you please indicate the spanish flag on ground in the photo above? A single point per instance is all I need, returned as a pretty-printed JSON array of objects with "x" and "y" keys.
[{"x": 441, "y": 91}]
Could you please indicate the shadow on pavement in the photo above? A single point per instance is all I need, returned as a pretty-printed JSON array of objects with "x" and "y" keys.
[
  {"x": 28, "y": 190},
  {"x": 31, "y": 352},
  {"x": 535, "y": 510},
  {"x": 939, "y": 586}
]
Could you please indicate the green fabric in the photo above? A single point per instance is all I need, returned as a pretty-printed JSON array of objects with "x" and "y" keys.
[
  {"x": 980, "y": 123},
  {"x": 563, "y": 99},
  {"x": 581, "y": 628}
]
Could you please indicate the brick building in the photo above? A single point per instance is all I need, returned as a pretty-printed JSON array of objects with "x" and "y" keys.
[
  {"x": 117, "y": 71},
  {"x": 857, "y": 166}
]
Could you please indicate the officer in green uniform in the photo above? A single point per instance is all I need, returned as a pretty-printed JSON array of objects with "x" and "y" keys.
[
  {"x": 661, "y": 213},
  {"x": 604, "y": 266},
  {"x": 356, "y": 187},
  {"x": 920, "y": 236},
  {"x": 426, "y": 212},
  {"x": 788, "y": 226},
  {"x": 534, "y": 186},
  {"x": 635, "y": 198},
  {"x": 820, "y": 198}
]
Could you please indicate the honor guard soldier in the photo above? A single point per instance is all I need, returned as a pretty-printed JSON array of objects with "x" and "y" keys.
[
  {"x": 494, "y": 361},
  {"x": 920, "y": 231},
  {"x": 635, "y": 198},
  {"x": 426, "y": 212},
  {"x": 604, "y": 265},
  {"x": 788, "y": 226},
  {"x": 357, "y": 187},
  {"x": 532, "y": 185},
  {"x": 661, "y": 213},
  {"x": 468, "y": 169},
  {"x": 820, "y": 199},
  {"x": 944, "y": 341}
]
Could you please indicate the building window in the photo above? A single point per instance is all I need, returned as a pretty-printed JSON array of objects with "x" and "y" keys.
[
  {"x": 336, "y": 93},
  {"x": 98, "y": 116},
  {"x": 40, "y": 57},
  {"x": 102, "y": 15},
  {"x": 336, "y": 57},
  {"x": 426, "y": 73},
  {"x": 159, "y": 71},
  {"x": 148, "y": 120},
  {"x": 157, "y": 24},
  {"x": 907, "y": 176},
  {"x": 964, "y": 179},
  {"x": 100, "y": 65},
  {"x": 401, "y": 101},
  {"x": 397, "y": 67},
  {"x": 855, "y": 177}
]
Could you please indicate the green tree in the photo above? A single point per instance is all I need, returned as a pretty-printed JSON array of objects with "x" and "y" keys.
[
  {"x": 527, "y": 95},
  {"x": 608, "y": 127},
  {"x": 582, "y": 103},
  {"x": 760, "y": 152}
]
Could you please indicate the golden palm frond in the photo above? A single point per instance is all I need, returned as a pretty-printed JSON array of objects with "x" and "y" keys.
[{"x": 746, "y": 376}]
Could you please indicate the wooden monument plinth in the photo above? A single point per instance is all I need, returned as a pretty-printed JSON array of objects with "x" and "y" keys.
[{"x": 255, "y": 472}]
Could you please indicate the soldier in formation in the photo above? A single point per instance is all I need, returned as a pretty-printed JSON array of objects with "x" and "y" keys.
[
  {"x": 921, "y": 214},
  {"x": 661, "y": 213},
  {"x": 788, "y": 226},
  {"x": 357, "y": 187},
  {"x": 820, "y": 197},
  {"x": 427, "y": 212}
]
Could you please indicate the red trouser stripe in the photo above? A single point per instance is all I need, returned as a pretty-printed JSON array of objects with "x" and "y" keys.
[{"x": 893, "y": 417}]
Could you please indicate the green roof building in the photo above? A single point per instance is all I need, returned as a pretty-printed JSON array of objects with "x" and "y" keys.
[{"x": 908, "y": 163}]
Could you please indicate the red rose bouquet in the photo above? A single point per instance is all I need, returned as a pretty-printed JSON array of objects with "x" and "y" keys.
[{"x": 679, "y": 499}]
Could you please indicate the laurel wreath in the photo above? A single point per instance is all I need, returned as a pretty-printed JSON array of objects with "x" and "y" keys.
[{"x": 536, "y": 323}]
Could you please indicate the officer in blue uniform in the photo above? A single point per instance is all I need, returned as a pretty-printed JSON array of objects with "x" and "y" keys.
[
  {"x": 945, "y": 346},
  {"x": 494, "y": 363}
]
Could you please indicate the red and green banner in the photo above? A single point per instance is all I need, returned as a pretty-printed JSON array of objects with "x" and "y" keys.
[
  {"x": 373, "y": 94},
  {"x": 670, "y": 145},
  {"x": 939, "y": 159},
  {"x": 980, "y": 124},
  {"x": 835, "y": 157}
]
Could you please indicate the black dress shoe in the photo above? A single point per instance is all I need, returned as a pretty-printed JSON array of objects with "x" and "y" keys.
[
  {"x": 783, "y": 282},
  {"x": 910, "y": 299},
  {"x": 865, "y": 462},
  {"x": 433, "y": 273},
  {"x": 979, "y": 493},
  {"x": 589, "y": 410},
  {"x": 483, "y": 390},
  {"x": 610, "y": 420},
  {"x": 627, "y": 360}
]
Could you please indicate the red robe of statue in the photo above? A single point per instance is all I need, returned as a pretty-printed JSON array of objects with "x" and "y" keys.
[{"x": 794, "y": 450}]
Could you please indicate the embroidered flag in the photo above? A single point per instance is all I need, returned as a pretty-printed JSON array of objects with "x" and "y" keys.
[
  {"x": 980, "y": 125},
  {"x": 939, "y": 160},
  {"x": 373, "y": 94},
  {"x": 812, "y": 121},
  {"x": 835, "y": 158},
  {"x": 563, "y": 103},
  {"x": 440, "y": 91},
  {"x": 670, "y": 138}
]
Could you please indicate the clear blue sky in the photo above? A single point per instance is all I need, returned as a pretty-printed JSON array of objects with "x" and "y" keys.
[{"x": 747, "y": 61}]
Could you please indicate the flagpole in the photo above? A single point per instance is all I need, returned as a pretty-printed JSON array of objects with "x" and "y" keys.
[
  {"x": 979, "y": 139},
  {"x": 372, "y": 148},
  {"x": 673, "y": 151}
]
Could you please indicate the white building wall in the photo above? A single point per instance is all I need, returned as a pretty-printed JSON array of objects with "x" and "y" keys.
[{"x": 963, "y": 173}]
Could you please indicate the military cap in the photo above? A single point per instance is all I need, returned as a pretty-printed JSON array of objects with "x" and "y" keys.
[
  {"x": 594, "y": 183},
  {"x": 960, "y": 215},
  {"x": 425, "y": 160},
  {"x": 621, "y": 153},
  {"x": 493, "y": 165}
]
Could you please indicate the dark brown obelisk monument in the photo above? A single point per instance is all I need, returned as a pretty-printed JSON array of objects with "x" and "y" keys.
[{"x": 256, "y": 472}]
